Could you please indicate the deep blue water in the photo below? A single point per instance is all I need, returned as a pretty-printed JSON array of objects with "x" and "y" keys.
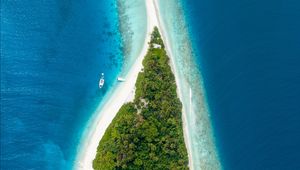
[
  {"x": 249, "y": 53},
  {"x": 52, "y": 54}
]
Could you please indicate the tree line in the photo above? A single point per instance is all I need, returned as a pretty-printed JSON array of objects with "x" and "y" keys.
[{"x": 147, "y": 133}]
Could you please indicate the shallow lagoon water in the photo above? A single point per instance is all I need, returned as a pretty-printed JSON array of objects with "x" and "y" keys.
[
  {"x": 203, "y": 151},
  {"x": 133, "y": 27},
  {"x": 52, "y": 54},
  {"x": 243, "y": 71}
]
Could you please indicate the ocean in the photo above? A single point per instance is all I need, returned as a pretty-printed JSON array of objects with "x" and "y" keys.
[
  {"x": 238, "y": 60},
  {"x": 52, "y": 55},
  {"x": 201, "y": 144},
  {"x": 249, "y": 55}
]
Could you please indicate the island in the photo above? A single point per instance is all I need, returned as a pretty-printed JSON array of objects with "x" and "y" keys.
[{"x": 147, "y": 133}]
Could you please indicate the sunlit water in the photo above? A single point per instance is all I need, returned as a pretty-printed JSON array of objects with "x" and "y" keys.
[
  {"x": 133, "y": 27},
  {"x": 52, "y": 54},
  {"x": 203, "y": 150}
]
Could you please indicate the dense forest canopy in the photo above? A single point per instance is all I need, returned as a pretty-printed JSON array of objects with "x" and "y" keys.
[{"x": 147, "y": 133}]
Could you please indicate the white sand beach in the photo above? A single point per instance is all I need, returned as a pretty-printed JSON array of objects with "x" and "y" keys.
[
  {"x": 123, "y": 93},
  {"x": 177, "y": 78}
]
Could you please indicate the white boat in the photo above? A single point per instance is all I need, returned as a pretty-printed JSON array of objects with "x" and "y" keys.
[
  {"x": 121, "y": 79},
  {"x": 101, "y": 81}
]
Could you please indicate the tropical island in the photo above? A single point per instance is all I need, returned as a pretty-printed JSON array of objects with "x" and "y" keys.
[{"x": 147, "y": 133}]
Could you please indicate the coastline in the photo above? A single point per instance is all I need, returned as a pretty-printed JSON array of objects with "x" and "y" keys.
[
  {"x": 124, "y": 92},
  {"x": 133, "y": 30},
  {"x": 199, "y": 134},
  {"x": 177, "y": 78}
]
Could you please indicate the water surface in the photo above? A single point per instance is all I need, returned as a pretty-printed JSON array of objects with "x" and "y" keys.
[
  {"x": 250, "y": 59},
  {"x": 52, "y": 54}
]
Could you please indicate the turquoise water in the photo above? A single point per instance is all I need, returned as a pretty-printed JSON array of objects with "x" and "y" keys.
[
  {"x": 133, "y": 26},
  {"x": 239, "y": 60},
  {"x": 132, "y": 29},
  {"x": 52, "y": 54},
  {"x": 202, "y": 145}
]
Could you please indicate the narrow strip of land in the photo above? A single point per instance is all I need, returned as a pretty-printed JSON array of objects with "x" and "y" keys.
[
  {"x": 123, "y": 93},
  {"x": 177, "y": 78},
  {"x": 147, "y": 133}
]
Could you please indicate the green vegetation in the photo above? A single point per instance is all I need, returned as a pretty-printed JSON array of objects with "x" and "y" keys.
[{"x": 147, "y": 133}]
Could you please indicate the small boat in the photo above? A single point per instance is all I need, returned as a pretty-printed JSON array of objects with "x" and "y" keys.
[
  {"x": 101, "y": 81},
  {"x": 121, "y": 79}
]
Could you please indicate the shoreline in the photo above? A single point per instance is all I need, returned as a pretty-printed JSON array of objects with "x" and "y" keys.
[
  {"x": 177, "y": 77},
  {"x": 123, "y": 93},
  {"x": 129, "y": 25},
  {"x": 199, "y": 133}
]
